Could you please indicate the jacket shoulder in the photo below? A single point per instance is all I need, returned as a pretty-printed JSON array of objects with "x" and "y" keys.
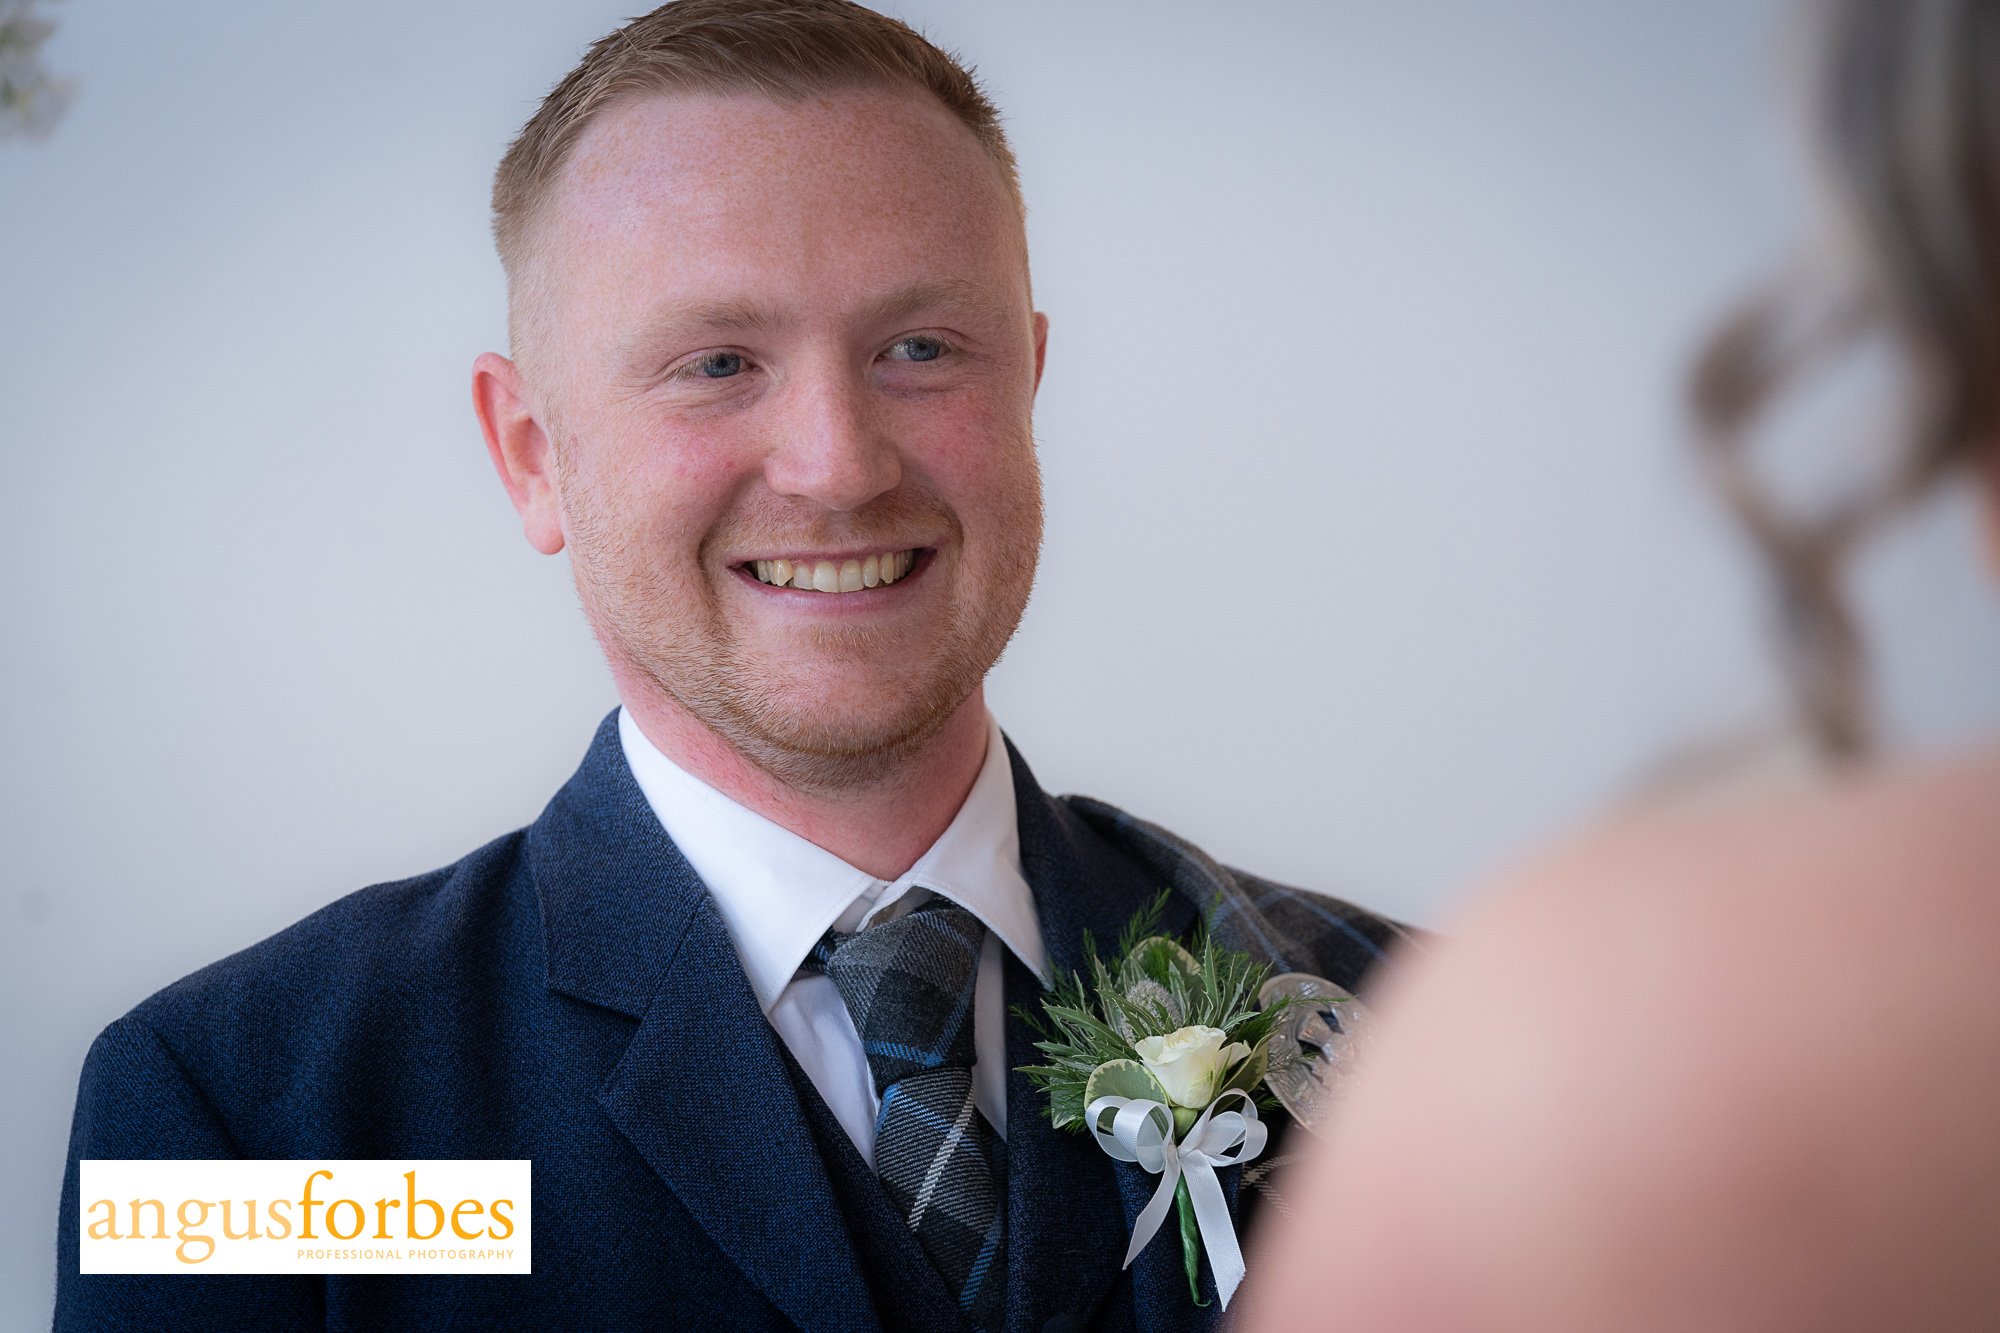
[
  {"x": 380, "y": 935},
  {"x": 348, "y": 974},
  {"x": 1293, "y": 929}
]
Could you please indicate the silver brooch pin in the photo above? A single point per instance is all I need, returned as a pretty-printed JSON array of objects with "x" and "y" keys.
[{"x": 1315, "y": 1045}]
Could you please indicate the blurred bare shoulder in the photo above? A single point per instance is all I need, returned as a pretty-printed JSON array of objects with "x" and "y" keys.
[
  {"x": 1887, "y": 875},
  {"x": 1718, "y": 1068}
]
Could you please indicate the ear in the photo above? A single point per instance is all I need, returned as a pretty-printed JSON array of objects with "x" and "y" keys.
[
  {"x": 519, "y": 445},
  {"x": 1041, "y": 345}
]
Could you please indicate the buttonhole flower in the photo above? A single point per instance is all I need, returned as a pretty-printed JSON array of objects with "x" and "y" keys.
[{"x": 1191, "y": 1062}]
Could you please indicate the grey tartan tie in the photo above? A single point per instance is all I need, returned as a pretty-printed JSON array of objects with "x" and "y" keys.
[{"x": 908, "y": 985}]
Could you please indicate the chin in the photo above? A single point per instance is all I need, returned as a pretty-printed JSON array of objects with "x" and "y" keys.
[
  {"x": 818, "y": 726},
  {"x": 829, "y": 751},
  {"x": 867, "y": 722}
]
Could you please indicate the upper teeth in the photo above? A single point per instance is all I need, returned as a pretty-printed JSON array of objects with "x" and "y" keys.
[{"x": 832, "y": 575}]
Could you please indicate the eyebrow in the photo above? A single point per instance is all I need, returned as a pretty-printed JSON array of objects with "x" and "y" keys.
[
  {"x": 929, "y": 294},
  {"x": 736, "y": 313}
]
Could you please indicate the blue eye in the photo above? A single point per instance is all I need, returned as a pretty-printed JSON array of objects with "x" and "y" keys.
[
  {"x": 717, "y": 365},
  {"x": 920, "y": 347}
]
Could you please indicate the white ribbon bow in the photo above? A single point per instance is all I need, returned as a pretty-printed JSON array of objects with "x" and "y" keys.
[{"x": 1137, "y": 1134}]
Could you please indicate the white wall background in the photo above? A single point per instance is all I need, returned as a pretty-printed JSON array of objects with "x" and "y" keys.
[{"x": 1373, "y": 557}]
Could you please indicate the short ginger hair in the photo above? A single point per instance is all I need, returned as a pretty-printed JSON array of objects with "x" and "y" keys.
[{"x": 784, "y": 49}]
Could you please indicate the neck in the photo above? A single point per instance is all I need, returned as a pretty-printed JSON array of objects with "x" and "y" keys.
[{"x": 881, "y": 827}]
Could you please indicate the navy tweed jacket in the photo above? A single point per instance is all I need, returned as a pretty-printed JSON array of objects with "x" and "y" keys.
[{"x": 556, "y": 995}]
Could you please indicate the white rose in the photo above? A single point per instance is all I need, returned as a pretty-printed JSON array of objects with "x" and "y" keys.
[{"x": 1190, "y": 1062}]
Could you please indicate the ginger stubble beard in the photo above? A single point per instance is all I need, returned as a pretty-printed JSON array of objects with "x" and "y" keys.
[{"x": 693, "y": 657}]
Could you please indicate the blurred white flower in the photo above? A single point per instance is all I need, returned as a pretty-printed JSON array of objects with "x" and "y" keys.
[{"x": 30, "y": 100}]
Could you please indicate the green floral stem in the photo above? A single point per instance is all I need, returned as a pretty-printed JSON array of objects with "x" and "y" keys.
[{"x": 1190, "y": 1242}]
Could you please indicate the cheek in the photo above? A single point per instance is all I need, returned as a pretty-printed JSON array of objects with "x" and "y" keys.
[
  {"x": 658, "y": 484},
  {"x": 980, "y": 455}
]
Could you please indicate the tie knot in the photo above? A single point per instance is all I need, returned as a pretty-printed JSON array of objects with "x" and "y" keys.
[{"x": 908, "y": 986}]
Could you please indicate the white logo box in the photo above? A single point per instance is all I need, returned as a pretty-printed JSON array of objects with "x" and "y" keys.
[{"x": 375, "y": 1215}]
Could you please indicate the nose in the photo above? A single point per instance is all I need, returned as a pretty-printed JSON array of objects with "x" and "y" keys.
[{"x": 833, "y": 450}]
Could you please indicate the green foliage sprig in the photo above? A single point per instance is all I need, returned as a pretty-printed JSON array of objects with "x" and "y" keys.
[{"x": 1152, "y": 987}]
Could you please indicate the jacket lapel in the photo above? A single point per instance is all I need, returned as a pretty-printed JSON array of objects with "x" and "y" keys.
[
  {"x": 1070, "y": 1207},
  {"x": 701, "y": 1091},
  {"x": 1065, "y": 1233}
]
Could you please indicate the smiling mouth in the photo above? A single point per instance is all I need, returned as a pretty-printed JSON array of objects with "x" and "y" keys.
[{"x": 834, "y": 576}]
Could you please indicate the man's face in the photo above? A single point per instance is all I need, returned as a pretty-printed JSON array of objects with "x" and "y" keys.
[{"x": 793, "y": 339}]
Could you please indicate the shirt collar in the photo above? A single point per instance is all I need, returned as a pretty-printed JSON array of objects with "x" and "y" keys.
[{"x": 778, "y": 893}]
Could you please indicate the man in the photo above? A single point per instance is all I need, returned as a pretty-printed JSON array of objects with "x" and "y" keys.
[{"x": 774, "y": 360}]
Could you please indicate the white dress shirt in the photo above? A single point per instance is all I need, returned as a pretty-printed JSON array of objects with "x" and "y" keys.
[{"x": 778, "y": 893}]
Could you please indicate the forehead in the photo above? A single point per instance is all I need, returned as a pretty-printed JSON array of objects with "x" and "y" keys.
[{"x": 831, "y": 195}]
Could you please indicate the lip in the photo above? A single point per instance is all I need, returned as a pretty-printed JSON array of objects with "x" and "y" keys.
[{"x": 834, "y": 556}]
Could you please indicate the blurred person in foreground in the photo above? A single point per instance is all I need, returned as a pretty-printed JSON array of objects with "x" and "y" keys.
[{"x": 1738, "y": 1067}]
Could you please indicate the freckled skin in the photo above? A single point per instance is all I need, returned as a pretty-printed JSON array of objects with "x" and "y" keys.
[{"x": 846, "y": 421}]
